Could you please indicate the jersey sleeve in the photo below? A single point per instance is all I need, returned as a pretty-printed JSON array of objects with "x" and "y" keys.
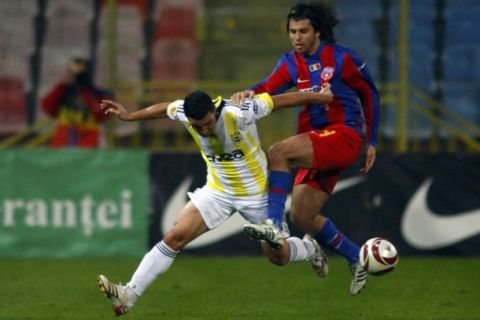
[
  {"x": 357, "y": 76},
  {"x": 260, "y": 106},
  {"x": 279, "y": 81},
  {"x": 175, "y": 111}
]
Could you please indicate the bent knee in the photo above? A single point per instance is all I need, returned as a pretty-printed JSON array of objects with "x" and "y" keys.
[
  {"x": 276, "y": 151},
  {"x": 175, "y": 240}
]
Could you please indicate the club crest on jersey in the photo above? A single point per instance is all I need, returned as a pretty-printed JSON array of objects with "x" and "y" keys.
[
  {"x": 172, "y": 110},
  {"x": 315, "y": 67},
  {"x": 327, "y": 73},
  {"x": 236, "y": 137}
]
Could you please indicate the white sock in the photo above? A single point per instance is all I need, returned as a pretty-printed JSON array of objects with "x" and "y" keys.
[
  {"x": 300, "y": 249},
  {"x": 156, "y": 261}
]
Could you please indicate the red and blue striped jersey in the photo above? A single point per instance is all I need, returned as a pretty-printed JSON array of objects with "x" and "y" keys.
[{"x": 351, "y": 84}]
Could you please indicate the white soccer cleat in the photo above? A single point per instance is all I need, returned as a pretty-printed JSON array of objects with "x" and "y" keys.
[
  {"x": 116, "y": 293},
  {"x": 266, "y": 232},
  {"x": 318, "y": 260},
  {"x": 359, "y": 278}
]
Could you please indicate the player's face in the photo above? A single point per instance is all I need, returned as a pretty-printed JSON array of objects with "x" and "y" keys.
[
  {"x": 205, "y": 126},
  {"x": 76, "y": 68},
  {"x": 303, "y": 36}
]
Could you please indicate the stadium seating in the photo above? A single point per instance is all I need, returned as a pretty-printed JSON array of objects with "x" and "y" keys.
[
  {"x": 67, "y": 36},
  {"x": 180, "y": 31},
  {"x": 175, "y": 49},
  {"x": 130, "y": 51},
  {"x": 16, "y": 43},
  {"x": 462, "y": 57},
  {"x": 421, "y": 66},
  {"x": 357, "y": 30},
  {"x": 175, "y": 22},
  {"x": 16, "y": 38},
  {"x": 458, "y": 63},
  {"x": 130, "y": 45},
  {"x": 175, "y": 59},
  {"x": 13, "y": 113},
  {"x": 463, "y": 98}
]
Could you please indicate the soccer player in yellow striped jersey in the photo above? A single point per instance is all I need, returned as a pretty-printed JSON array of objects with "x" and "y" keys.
[
  {"x": 235, "y": 160},
  {"x": 236, "y": 180}
]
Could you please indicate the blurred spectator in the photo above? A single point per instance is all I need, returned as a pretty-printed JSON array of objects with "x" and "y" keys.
[{"x": 74, "y": 102}]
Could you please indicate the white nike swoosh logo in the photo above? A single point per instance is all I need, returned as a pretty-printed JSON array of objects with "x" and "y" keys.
[
  {"x": 424, "y": 229},
  {"x": 232, "y": 225},
  {"x": 302, "y": 81}
]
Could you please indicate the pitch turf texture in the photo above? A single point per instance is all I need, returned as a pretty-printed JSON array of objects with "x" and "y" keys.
[{"x": 242, "y": 288}]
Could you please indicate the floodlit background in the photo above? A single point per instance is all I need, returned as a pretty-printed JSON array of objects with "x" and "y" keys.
[{"x": 422, "y": 55}]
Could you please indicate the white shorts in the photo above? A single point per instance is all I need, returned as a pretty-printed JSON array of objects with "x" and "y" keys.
[{"x": 216, "y": 207}]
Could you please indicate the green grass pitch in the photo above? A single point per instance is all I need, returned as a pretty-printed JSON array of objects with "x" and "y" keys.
[{"x": 242, "y": 288}]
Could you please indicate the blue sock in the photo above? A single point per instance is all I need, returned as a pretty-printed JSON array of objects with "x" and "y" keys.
[
  {"x": 280, "y": 185},
  {"x": 331, "y": 236}
]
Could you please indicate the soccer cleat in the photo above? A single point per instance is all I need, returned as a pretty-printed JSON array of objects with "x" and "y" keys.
[
  {"x": 266, "y": 232},
  {"x": 359, "y": 278},
  {"x": 318, "y": 260},
  {"x": 116, "y": 293}
]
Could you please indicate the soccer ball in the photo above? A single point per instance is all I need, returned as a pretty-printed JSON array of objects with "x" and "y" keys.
[{"x": 378, "y": 256}]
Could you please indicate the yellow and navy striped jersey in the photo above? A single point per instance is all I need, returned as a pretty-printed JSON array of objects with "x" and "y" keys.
[{"x": 236, "y": 162}]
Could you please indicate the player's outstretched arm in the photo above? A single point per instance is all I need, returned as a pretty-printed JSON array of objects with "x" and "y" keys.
[
  {"x": 155, "y": 111},
  {"x": 292, "y": 99}
]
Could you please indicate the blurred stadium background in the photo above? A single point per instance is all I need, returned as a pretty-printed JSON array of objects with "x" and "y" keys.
[
  {"x": 421, "y": 53},
  {"x": 423, "y": 193}
]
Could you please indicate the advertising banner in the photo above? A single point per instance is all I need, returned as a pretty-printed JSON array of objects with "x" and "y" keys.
[
  {"x": 73, "y": 203},
  {"x": 426, "y": 205}
]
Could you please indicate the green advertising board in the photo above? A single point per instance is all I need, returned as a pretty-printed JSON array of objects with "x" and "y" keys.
[{"x": 73, "y": 203}]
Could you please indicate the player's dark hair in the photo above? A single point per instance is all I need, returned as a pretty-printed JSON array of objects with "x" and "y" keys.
[
  {"x": 81, "y": 60},
  {"x": 197, "y": 104},
  {"x": 322, "y": 17}
]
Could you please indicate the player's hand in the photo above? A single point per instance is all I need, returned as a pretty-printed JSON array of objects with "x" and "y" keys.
[
  {"x": 240, "y": 97},
  {"x": 326, "y": 92},
  {"x": 116, "y": 108},
  {"x": 370, "y": 159}
]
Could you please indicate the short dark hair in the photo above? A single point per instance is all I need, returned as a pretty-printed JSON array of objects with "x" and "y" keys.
[
  {"x": 197, "y": 104},
  {"x": 322, "y": 17},
  {"x": 84, "y": 78},
  {"x": 83, "y": 61}
]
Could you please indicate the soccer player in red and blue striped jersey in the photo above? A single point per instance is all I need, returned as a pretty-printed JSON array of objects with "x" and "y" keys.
[{"x": 329, "y": 138}]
